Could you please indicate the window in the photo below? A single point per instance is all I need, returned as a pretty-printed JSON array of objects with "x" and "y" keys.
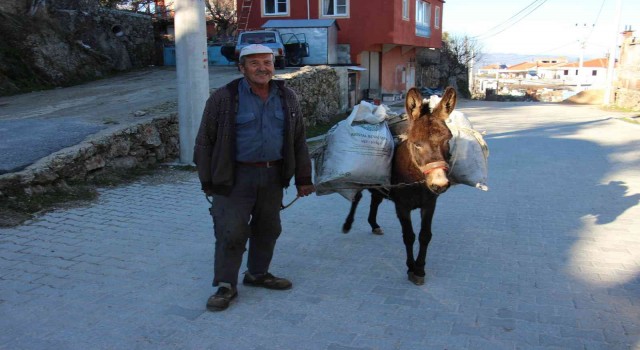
[
  {"x": 405, "y": 9},
  {"x": 335, "y": 7},
  {"x": 566, "y": 72},
  {"x": 436, "y": 18},
  {"x": 275, "y": 7},
  {"x": 423, "y": 18},
  {"x": 594, "y": 72}
]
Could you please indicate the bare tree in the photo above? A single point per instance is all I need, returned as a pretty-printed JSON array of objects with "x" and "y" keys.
[
  {"x": 459, "y": 52},
  {"x": 448, "y": 65},
  {"x": 222, "y": 13}
]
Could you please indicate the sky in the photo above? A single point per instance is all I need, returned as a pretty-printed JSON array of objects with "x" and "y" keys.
[{"x": 554, "y": 28}]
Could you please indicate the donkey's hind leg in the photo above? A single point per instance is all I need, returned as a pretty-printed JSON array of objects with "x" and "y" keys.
[
  {"x": 376, "y": 199},
  {"x": 346, "y": 227}
]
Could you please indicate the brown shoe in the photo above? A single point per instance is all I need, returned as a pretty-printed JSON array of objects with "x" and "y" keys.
[
  {"x": 266, "y": 281},
  {"x": 221, "y": 299}
]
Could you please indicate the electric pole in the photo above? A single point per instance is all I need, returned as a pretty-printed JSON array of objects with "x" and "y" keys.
[
  {"x": 612, "y": 56},
  {"x": 582, "y": 39},
  {"x": 192, "y": 68}
]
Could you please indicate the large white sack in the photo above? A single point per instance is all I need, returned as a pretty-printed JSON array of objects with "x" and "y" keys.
[
  {"x": 469, "y": 153},
  {"x": 357, "y": 153}
]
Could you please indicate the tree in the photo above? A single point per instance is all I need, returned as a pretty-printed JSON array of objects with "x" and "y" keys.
[
  {"x": 450, "y": 64},
  {"x": 459, "y": 52},
  {"x": 222, "y": 13}
]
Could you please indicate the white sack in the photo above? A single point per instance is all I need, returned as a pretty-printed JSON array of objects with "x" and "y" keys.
[
  {"x": 357, "y": 153},
  {"x": 469, "y": 153}
]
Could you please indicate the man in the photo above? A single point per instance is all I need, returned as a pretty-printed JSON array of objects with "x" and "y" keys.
[{"x": 250, "y": 144}]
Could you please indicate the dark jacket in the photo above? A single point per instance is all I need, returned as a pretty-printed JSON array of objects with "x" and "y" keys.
[{"x": 215, "y": 148}]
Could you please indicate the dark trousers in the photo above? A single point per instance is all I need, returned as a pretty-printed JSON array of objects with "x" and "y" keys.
[{"x": 251, "y": 212}]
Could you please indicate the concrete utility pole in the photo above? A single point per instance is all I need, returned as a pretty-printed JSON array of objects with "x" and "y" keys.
[
  {"x": 580, "y": 66},
  {"x": 612, "y": 56},
  {"x": 192, "y": 68}
]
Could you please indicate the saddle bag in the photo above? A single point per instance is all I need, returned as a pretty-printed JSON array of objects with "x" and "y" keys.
[
  {"x": 356, "y": 153},
  {"x": 468, "y": 164}
]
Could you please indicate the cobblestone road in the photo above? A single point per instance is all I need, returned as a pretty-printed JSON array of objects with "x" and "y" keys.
[{"x": 548, "y": 258}]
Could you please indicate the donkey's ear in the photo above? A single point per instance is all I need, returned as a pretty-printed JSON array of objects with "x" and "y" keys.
[
  {"x": 413, "y": 103},
  {"x": 447, "y": 104}
]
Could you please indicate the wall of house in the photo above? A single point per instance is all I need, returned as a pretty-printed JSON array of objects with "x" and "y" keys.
[
  {"x": 627, "y": 85},
  {"x": 397, "y": 68},
  {"x": 369, "y": 24}
]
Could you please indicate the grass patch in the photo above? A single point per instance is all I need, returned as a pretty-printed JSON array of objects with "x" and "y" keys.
[
  {"x": 190, "y": 168},
  {"x": 16, "y": 209},
  {"x": 632, "y": 120}
]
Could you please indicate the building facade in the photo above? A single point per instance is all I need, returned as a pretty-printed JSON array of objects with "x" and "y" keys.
[{"x": 380, "y": 36}]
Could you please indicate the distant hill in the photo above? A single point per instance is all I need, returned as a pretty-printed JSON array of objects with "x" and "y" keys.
[{"x": 510, "y": 59}]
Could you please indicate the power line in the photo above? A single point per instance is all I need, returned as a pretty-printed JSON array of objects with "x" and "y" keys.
[
  {"x": 596, "y": 22},
  {"x": 488, "y": 34}
]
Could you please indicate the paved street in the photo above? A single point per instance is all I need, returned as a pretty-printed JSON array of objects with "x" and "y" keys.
[{"x": 549, "y": 258}]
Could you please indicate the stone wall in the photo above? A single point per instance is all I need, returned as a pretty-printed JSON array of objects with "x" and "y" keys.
[
  {"x": 141, "y": 145},
  {"x": 627, "y": 86},
  {"x": 318, "y": 89}
]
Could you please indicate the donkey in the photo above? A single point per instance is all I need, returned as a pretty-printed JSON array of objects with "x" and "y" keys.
[{"x": 418, "y": 176}]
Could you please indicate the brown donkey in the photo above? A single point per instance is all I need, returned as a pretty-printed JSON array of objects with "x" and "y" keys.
[{"x": 418, "y": 175}]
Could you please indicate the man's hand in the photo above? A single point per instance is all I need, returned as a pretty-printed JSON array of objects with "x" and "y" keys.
[
  {"x": 305, "y": 190},
  {"x": 207, "y": 189}
]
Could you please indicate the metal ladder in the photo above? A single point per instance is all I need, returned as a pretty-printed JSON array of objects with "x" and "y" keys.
[{"x": 243, "y": 15}]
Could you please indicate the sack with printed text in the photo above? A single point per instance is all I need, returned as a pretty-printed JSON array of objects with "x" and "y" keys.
[{"x": 356, "y": 153}]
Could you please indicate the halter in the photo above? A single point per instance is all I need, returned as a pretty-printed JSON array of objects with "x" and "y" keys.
[
  {"x": 429, "y": 167},
  {"x": 441, "y": 164}
]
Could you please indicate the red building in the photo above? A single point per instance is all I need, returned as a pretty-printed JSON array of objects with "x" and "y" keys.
[{"x": 381, "y": 36}]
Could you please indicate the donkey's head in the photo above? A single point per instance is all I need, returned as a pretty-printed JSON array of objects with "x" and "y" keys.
[{"x": 428, "y": 137}]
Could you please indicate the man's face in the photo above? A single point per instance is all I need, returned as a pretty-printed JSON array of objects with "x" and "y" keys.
[{"x": 258, "y": 69}]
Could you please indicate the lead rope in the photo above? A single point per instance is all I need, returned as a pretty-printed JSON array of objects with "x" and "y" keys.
[
  {"x": 282, "y": 206},
  {"x": 386, "y": 189}
]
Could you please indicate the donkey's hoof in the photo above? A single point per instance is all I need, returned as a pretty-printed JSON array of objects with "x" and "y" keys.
[
  {"x": 378, "y": 231},
  {"x": 346, "y": 229},
  {"x": 417, "y": 280}
]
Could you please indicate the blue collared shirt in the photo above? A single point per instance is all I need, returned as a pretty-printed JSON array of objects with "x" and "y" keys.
[{"x": 259, "y": 125}]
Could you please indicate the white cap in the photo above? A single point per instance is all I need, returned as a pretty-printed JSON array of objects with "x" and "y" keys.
[{"x": 254, "y": 49}]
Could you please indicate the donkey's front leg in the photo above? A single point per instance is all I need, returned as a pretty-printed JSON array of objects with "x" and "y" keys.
[
  {"x": 426, "y": 218},
  {"x": 408, "y": 237}
]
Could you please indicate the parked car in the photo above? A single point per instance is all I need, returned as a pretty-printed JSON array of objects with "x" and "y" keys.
[{"x": 269, "y": 38}]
